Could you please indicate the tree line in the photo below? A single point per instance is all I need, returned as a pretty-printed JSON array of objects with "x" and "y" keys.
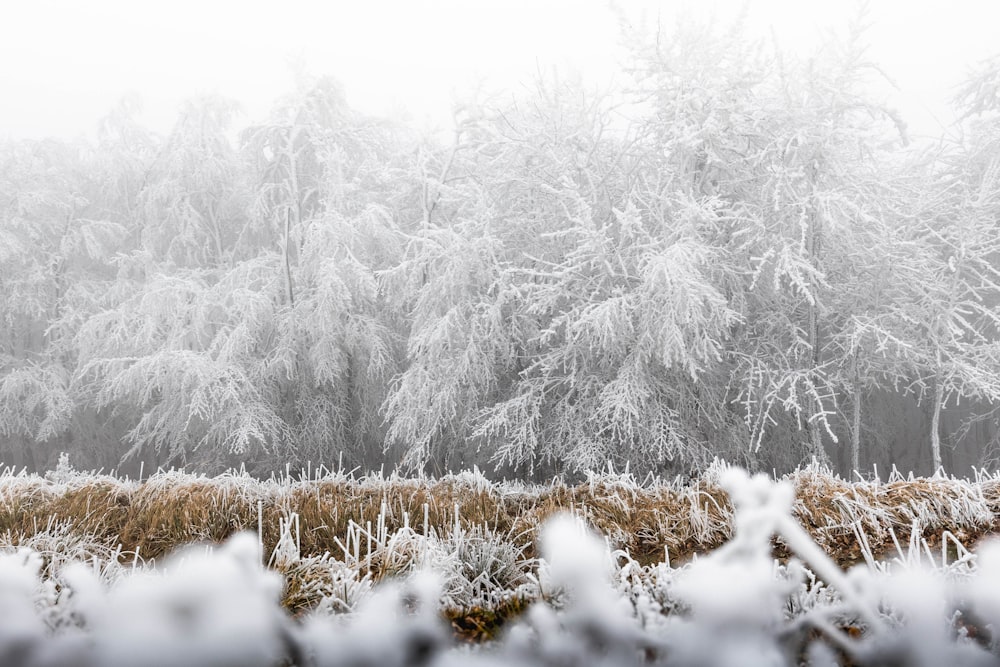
[{"x": 733, "y": 253}]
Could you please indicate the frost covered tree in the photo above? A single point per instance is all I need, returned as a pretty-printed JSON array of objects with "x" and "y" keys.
[
  {"x": 56, "y": 247},
  {"x": 334, "y": 189},
  {"x": 735, "y": 253},
  {"x": 196, "y": 189},
  {"x": 954, "y": 304},
  {"x": 654, "y": 282},
  {"x": 556, "y": 322},
  {"x": 780, "y": 163},
  {"x": 259, "y": 334}
]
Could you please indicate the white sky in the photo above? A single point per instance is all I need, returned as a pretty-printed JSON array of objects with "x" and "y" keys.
[{"x": 65, "y": 63}]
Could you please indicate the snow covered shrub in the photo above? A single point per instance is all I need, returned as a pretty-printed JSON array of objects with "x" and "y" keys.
[
  {"x": 493, "y": 565},
  {"x": 210, "y": 608},
  {"x": 345, "y": 589},
  {"x": 21, "y": 589},
  {"x": 322, "y": 582},
  {"x": 60, "y": 544},
  {"x": 200, "y": 608}
]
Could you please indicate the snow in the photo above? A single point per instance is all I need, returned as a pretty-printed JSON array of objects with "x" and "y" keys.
[{"x": 733, "y": 607}]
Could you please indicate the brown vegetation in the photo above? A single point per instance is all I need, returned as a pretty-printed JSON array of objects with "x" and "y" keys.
[{"x": 651, "y": 521}]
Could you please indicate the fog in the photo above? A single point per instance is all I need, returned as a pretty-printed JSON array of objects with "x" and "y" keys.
[{"x": 63, "y": 65}]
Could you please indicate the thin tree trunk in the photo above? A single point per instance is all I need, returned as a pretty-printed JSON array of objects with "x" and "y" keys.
[
  {"x": 856, "y": 416},
  {"x": 59, "y": 276},
  {"x": 938, "y": 397},
  {"x": 294, "y": 210},
  {"x": 213, "y": 222},
  {"x": 936, "y": 425},
  {"x": 428, "y": 204},
  {"x": 815, "y": 428},
  {"x": 856, "y": 434},
  {"x": 814, "y": 242},
  {"x": 289, "y": 292}
]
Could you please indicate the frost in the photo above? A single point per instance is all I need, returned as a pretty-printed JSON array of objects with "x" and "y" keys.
[
  {"x": 593, "y": 606},
  {"x": 215, "y": 608},
  {"x": 21, "y": 628}
]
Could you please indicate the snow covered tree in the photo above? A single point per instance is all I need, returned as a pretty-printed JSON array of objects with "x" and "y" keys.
[
  {"x": 782, "y": 161},
  {"x": 262, "y": 335},
  {"x": 954, "y": 304},
  {"x": 331, "y": 188},
  {"x": 735, "y": 254},
  {"x": 55, "y": 248},
  {"x": 557, "y": 322},
  {"x": 196, "y": 191}
]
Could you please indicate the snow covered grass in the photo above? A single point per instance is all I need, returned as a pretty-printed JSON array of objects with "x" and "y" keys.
[
  {"x": 652, "y": 520},
  {"x": 334, "y": 544},
  {"x": 383, "y": 596}
]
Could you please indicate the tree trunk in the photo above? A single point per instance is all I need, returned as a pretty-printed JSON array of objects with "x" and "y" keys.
[
  {"x": 290, "y": 294},
  {"x": 295, "y": 209},
  {"x": 814, "y": 242},
  {"x": 856, "y": 434},
  {"x": 856, "y": 420},
  {"x": 936, "y": 426},
  {"x": 59, "y": 277},
  {"x": 213, "y": 222}
]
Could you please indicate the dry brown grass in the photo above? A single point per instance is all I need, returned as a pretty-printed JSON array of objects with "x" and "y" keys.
[
  {"x": 650, "y": 521},
  {"x": 835, "y": 512}
]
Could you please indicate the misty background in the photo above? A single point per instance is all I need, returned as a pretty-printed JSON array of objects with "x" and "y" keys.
[{"x": 534, "y": 237}]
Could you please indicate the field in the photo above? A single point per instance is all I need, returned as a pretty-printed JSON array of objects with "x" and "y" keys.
[
  {"x": 474, "y": 556},
  {"x": 712, "y": 254}
]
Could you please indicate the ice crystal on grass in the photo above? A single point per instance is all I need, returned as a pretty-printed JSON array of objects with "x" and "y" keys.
[
  {"x": 66, "y": 600},
  {"x": 395, "y": 627}
]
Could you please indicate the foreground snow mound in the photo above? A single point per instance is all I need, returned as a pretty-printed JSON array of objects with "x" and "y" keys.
[{"x": 734, "y": 607}]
